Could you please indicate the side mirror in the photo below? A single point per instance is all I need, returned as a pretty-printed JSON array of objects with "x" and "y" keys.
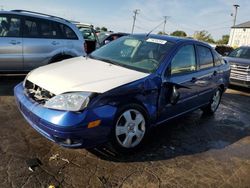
[
  {"x": 106, "y": 41},
  {"x": 226, "y": 54},
  {"x": 175, "y": 95}
]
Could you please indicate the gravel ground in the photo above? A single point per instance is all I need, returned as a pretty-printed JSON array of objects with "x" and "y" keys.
[{"x": 192, "y": 151}]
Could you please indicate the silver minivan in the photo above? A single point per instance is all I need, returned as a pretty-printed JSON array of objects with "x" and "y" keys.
[{"x": 30, "y": 39}]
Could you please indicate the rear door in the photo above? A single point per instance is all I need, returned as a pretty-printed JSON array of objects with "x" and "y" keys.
[
  {"x": 180, "y": 75},
  {"x": 42, "y": 40},
  {"x": 208, "y": 74},
  {"x": 11, "y": 43}
]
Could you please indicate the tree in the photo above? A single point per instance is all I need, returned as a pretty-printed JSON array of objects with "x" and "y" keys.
[
  {"x": 104, "y": 29},
  {"x": 203, "y": 36},
  {"x": 179, "y": 33},
  {"x": 223, "y": 40},
  {"x": 162, "y": 33},
  {"x": 97, "y": 28}
]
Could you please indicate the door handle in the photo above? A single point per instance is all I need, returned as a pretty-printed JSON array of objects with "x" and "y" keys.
[
  {"x": 14, "y": 42},
  {"x": 54, "y": 43}
]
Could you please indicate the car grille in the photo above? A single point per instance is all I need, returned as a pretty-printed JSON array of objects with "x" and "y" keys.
[
  {"x": 37, "y": 93},
  {"x": 240, "y": 72}
]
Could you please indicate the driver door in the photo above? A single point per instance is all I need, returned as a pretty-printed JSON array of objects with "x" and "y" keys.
[{"x": 179, "y": 91}]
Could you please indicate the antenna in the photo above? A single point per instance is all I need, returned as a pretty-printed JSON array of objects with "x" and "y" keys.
[{"x": 154, "y": 28}]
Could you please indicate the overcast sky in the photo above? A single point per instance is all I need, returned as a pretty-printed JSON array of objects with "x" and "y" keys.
[{"x": 117, "y": 15}]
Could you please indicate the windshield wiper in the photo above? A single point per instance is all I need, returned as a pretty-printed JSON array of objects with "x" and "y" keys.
[{"x": 105, "y": 60}]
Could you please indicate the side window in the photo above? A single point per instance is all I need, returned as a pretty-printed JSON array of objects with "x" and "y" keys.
[
  {"x": 9, "y": 26},
  {"x": 30, "y": 29},
  {"x": 57, "y": 31},
  {"x": 69, "y": 33},
  {"x": 218, "y": 60},
  {"x": 46, "y": 30},
  {"x": 184, "y": 61},
  {"x": 205, "y": 57}
]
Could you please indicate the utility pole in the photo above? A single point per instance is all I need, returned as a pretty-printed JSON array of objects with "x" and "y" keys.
[
  {"x": 136, "y": 11},
  {"x": 231, "y": 39},
  {"x": 164, "y": 25},
  {"x": 235, "y": 13}
]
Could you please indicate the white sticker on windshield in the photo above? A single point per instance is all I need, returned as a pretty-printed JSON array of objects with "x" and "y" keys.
[{"x": 158, "y": 41}]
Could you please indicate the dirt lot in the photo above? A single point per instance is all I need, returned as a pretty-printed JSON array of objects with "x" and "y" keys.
[{"x": 193, "y": 151}]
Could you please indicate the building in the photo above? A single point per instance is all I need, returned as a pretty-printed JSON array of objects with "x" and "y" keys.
[{"x": 240, "y": 35}]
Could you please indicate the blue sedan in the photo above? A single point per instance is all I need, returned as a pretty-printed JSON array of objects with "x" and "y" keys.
[{"x": 119, "y": 92}]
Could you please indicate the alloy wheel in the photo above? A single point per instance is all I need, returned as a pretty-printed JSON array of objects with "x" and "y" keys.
[
  {"x": 216, "y": 100},
  {"x": 130, "y": 128}
]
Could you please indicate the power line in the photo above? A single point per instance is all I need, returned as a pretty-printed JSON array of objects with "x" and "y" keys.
[
  {"x": 136, "y": 11},
  {"x": 144, "y": 17}
]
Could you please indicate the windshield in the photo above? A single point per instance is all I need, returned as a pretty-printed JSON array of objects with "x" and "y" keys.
[
  {"x": 137, "y": 53},
  {"x": 241, "y": 53}
]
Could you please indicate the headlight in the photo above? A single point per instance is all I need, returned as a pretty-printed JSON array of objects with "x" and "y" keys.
[
  {"x": 26, "y": 77},
  {"x": 69, "y": 101}
]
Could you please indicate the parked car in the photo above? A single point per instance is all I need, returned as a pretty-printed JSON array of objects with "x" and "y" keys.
[
  {"x": 102, "y": 35},
  {"x": 108, "y": 37},
  {"x": 239, "y": 60},
  {"x": 224, "y": 49},
  {"x": 122, "y": 90},
  {"x": 31, "y": 39},
  {"x": 89, "y": 36}
]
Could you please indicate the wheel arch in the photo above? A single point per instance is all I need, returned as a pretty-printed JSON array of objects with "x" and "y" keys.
[
  {"x": 59, "y": 57},
  {"x": 222, "y": 87}
]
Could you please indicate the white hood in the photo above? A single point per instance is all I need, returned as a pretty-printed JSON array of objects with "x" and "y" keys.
[{"x": 81, "y": 74}]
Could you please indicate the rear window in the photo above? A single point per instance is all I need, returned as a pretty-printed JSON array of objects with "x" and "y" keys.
[{"x": 205, "y": 57}]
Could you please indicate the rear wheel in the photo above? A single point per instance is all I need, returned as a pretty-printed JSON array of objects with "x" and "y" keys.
[
  {"x": 214, "y": 103},
  {"x": 130, "y": 129}
]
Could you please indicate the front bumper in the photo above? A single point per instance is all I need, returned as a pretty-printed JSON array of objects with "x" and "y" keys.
[
  {"x": 68, "y": 129},
  {"x": 239, "y": 82}
]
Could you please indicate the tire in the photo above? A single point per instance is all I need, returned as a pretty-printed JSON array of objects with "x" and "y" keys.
[
  {"x": 130, "y": 129},
  {"x": 214, "y": 103}
]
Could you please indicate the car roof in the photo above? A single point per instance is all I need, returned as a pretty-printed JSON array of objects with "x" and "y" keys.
[
  {"x": 36, "y": 15},
  {"x": 172, "y": 38},
  {"x": 82, "y": 24}
]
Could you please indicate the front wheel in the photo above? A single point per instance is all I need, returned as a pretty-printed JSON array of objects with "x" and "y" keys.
[
  {"x": 130, "y": 129},
  {"x": 214, "y": 103}
]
